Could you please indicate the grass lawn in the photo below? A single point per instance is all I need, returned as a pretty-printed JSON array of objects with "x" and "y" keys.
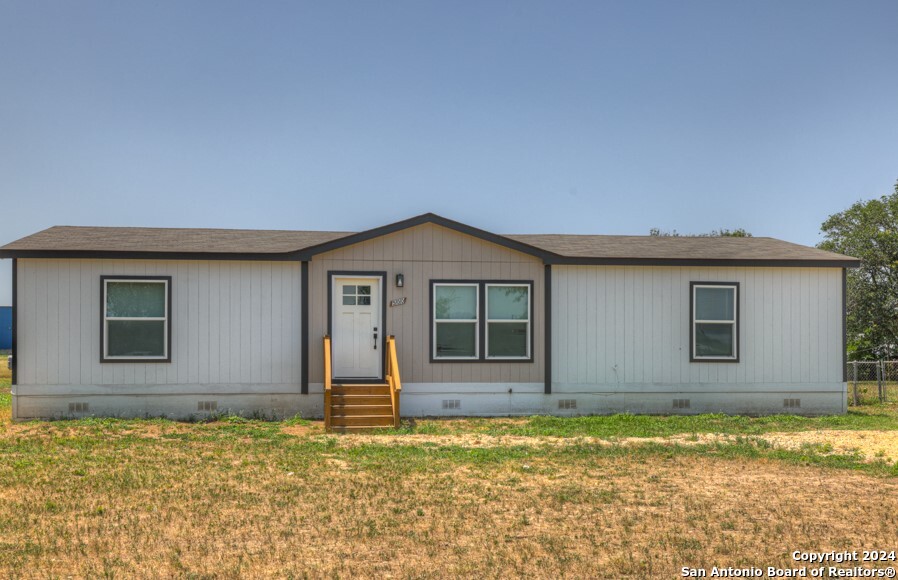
[{"x": 606, "y": 497}]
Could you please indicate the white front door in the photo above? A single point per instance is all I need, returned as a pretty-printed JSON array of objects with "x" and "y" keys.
[{"x": 357, "y": 332}]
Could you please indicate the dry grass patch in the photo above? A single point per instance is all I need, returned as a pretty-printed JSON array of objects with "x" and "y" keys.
[
  {"x": 237, "y": 498},
  {"x": 232, "y": 509},
  {"x": 871, "y": 445}
]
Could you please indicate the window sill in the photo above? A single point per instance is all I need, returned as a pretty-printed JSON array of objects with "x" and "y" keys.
[
  {"x": 482, "y": 360},
  {"x": 135, "y": 360}
]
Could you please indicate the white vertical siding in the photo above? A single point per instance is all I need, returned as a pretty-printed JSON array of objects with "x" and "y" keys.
[
  {"x": 233, "y": 323},
  {"x": 630, "y": 325}
]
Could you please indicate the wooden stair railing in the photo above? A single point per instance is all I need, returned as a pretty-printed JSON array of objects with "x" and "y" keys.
[
  {"x": 366, "y": 405},
  {"x": 392, "y": 376}
]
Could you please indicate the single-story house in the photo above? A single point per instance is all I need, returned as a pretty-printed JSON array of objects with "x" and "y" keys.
[{"x": 187, "y": 322}]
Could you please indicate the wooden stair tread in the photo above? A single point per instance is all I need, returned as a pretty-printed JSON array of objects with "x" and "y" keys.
[
  {"x": 360, "y": 385},
  {"x": 387, "y": 415},
  {"x": 362, "y": 411},
  {"x": 362, "y": 420}
]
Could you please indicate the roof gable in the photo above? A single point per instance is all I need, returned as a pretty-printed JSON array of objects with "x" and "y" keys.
[{"x": 427, "y": 218}]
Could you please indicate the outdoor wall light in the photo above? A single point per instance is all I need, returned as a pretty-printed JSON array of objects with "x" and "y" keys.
[{"x": 400, "y": 280}]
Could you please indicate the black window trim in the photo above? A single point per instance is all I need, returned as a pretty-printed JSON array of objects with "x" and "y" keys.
[
  {"x": 481, "y": 331},
  {"x": 736, "y": 331},
  {"x": 168, "y": 316}
]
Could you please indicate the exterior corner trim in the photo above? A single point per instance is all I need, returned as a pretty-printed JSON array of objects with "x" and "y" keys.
[
  {"x": 547, "y": 321},
  {"x": 304, "y": 327},
  {"x": 15, "y": 326}
]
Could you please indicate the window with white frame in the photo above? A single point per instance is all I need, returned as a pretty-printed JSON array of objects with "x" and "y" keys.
[
  {"x": 482, "y": 320},
  {"x": 136, "y": 318},
  {"x": 507, "y": 321},
  {"x": 715, "y": 321},
  {"x": 456, "y": 323}
]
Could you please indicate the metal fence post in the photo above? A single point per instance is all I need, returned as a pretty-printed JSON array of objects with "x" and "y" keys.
[
  {"x": 879, "y": 379},
  {"x": 885, "y": 381},
  {"x": 854, "y": 364}
]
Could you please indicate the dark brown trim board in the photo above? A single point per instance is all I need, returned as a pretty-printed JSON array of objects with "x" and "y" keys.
[
  {"x": 304, "y": 327},
  {"x": 546, "y": 257},
  {"x": 15, "y": 322},
  {"x": 481, "y": 331},
  {"x": 168, "y": 315},
  {"x": 704, "y": 262},
  {"x": 692, "y": 286},
  {"x": 547, "y": 322},
  {"x": 844, "y": 325},
  {"x": 383, "y": 309}
]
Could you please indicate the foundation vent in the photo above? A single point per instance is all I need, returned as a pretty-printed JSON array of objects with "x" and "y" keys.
[
  {"x": 567, "y": 403},
  {"x": 792, "y": 403},
  {"x": 78, "y": 407},
  {"x": 681, "y": 403},
  {"x": 207, "y": 406},
  {"x": 451, "y": 403}
]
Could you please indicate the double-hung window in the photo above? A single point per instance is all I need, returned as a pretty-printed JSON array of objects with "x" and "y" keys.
[
  {"x": 136, "y": 318},
  {"x": 715, "y": 321},
  {"x": 482, "y": 320},
  {"x": 456, "y": 323},
  {"x": 507, "y": 321}
]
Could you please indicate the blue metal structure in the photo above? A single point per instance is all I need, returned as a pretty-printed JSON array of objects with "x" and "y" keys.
[{"x": 5, "y": 327}]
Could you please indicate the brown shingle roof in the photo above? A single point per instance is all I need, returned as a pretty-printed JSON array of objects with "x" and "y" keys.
[
  {"x": 280, "y": 244},
  {"x": 218, "y": 241},
  {"x": 674, "y": 248}
]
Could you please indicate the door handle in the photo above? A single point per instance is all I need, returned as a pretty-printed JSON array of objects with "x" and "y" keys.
[{"x": 375, "y": 338}]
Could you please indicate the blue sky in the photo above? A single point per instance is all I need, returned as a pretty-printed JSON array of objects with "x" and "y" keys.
[{"x": 580, "y": 117}]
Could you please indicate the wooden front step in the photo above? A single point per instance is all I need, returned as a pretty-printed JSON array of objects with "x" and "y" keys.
[
  {"x": 357, "y": 429},
  {"x": 374, "y": 389},
  {"x": 352, "y": 400},
  {"x": 362, "y": 420},
  {"x": 356, "y": 407},
  {"x": 340, "y": 410}
]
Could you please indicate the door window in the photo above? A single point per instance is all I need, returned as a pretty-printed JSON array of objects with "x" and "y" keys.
[{"x": 357, "y": 295}]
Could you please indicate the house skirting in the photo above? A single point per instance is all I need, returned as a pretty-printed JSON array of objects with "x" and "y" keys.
[{"x": 422, "y": 400}]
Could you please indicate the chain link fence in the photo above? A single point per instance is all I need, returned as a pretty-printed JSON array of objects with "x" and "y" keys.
[{"x": 874, "y": 381}]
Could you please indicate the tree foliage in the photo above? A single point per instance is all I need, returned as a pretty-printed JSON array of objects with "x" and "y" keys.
[
  {"x": 721, "y": 233},
  {"x": 868, "y": 230}
]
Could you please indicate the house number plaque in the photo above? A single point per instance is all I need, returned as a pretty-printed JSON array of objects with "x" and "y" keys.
[{"x": 397, "y": 301}]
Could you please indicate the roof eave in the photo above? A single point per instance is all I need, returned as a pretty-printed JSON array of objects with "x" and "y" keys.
[
  {"x": 135, "y": 255},
  {"x": 719, "y": 262}
]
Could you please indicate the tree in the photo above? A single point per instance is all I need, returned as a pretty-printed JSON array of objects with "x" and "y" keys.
[
  {"x": 868, "y": 230},
  {"x": 721, "y": 233}
]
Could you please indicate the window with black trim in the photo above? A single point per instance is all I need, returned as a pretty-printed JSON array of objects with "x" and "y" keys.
[
  {"x": 507, "y": 321},
  {"x": 481, "y": 320},
  {"x": 136, "y": 318},
  {"x": 456, "y": 323},
  {"x": 715, "y": 321}
]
